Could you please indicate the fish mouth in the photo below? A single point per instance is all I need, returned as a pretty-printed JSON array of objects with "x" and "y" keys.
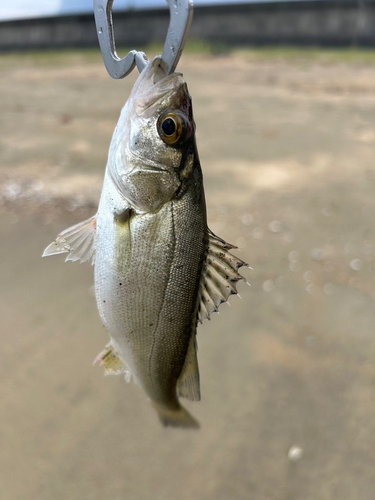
[
  {"x": 154, "y": 87},
  {"x": 143, "y": 106}
]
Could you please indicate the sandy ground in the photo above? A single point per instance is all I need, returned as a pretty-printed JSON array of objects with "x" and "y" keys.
[{"x": 287, "y": 373}]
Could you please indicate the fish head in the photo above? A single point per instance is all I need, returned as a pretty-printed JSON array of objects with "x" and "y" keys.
[{"x": 156, "y": 128}]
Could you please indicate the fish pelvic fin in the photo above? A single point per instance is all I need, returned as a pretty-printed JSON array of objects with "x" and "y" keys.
[
  {"x": 219, "y": 277},
  {"x": 78, "y": 241},
  {"x": 176, "y": 417}
]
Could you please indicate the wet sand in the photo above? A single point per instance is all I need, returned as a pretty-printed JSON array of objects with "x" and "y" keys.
[{"x": 287, "y": 150}]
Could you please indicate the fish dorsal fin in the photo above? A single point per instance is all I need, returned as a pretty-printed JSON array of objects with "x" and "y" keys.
[
  {"x": 188, "y": 382},
  {"x": 219, "y": 277},
  {"x": 78, "y": 241}
]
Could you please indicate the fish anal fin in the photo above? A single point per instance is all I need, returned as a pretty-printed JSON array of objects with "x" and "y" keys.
[
  {"x": 112, "y": 362},
  {"x": 78, "y": 241},
  {"x": 188, "y": 383},
  {"x": 219, "y": 277}
]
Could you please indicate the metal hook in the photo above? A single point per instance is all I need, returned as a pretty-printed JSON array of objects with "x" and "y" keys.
[{"x": 181, "y": 14}]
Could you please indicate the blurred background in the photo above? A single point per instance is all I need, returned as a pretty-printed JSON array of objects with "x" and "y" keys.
[{"x": 284, "y": 101}]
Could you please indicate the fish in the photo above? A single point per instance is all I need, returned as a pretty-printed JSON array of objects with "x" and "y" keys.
[{"x": 159, "y": 269}]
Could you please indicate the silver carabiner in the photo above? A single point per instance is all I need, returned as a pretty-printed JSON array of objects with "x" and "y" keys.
[{"x": 181, "y": 15}]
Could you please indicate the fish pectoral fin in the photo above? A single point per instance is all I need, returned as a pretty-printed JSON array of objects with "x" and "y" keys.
[
  {"x": 78, "y": 241},
  {"x": 188, "y": 383},
  {"x": 219, "y": 277}
]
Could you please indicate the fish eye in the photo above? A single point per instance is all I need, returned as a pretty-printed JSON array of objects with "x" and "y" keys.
[
  {"x": 172, "y": 128},
  {"x": 169, "y": 127}
]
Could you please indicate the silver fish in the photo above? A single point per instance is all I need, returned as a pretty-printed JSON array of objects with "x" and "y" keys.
[{"x": 158, "y": 268}]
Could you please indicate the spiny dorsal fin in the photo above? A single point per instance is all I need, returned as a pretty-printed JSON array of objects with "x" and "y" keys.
[
  {"x": 78, "y": 241},
  {"x": 219, "y": 277},
  {"x": 188, "y": 382}
]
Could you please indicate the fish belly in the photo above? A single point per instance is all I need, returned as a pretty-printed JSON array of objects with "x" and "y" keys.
[{"x": 147, "y": 275}]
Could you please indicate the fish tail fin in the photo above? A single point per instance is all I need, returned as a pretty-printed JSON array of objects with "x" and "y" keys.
[{"x": 176, "y": 417}]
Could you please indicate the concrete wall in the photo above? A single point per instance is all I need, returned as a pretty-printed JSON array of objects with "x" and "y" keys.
[{"x": 326, "y": 23}]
